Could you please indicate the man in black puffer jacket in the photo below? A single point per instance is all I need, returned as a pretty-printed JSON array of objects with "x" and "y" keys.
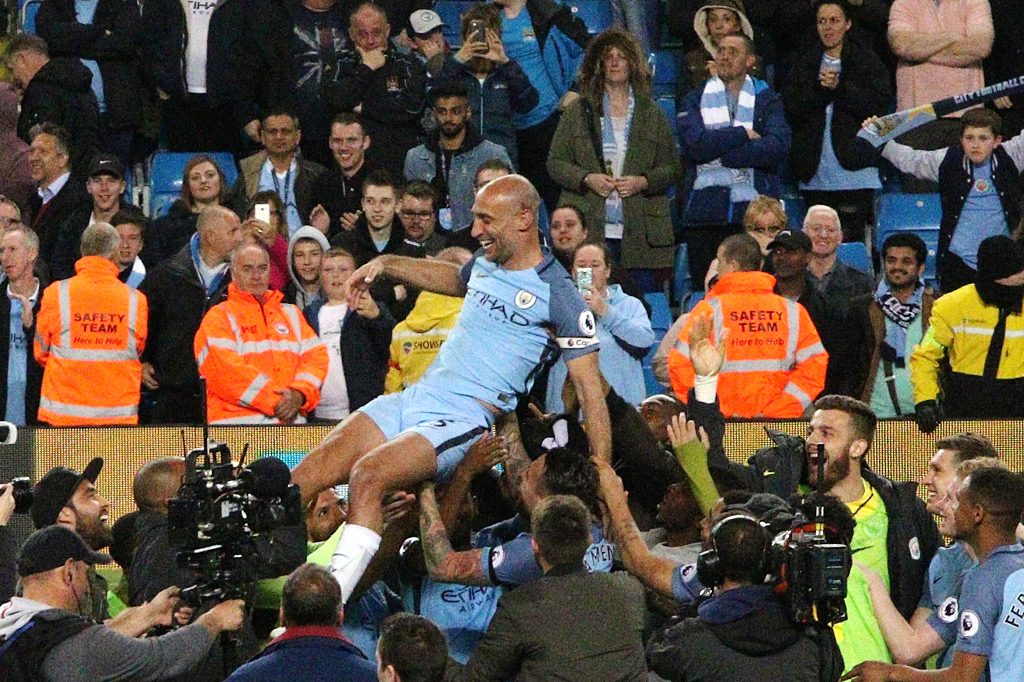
[{"x": 57, "y": 91}]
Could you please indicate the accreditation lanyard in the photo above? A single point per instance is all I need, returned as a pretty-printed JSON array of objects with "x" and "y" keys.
[{"x": 286, "y": 199}]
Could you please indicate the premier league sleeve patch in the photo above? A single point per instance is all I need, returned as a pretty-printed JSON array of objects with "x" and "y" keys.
[
  {"x": 969, "y": 624},
  {"x": 949, "y": 610}
]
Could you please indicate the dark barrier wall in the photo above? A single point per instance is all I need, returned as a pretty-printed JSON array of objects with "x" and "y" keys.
[{"x": 900, "y": 451}]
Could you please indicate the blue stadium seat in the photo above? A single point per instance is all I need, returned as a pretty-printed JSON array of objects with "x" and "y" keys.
[
  {"x": 917, "y": 213},
  {"x": 665, "y": 66},
  {"x": 450, "y": 12},
  {"x": 855, "y": 254},
  {"x": 796, "y": 209},
  {"x": 27, "y": 15},
  {"x": 596, "y": 14},
  {"x": 692, "y": 300},
  {"x": 165, "y": 173},
  {"x": 661, "y": 316},
  {"x": 681, "y": 284},
  {"x": 668, "y": 105}
]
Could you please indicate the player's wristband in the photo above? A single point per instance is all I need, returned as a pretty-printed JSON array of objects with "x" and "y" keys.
[{"x": 705, "y": 388}]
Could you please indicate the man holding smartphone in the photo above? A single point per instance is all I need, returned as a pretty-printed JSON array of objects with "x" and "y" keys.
[{"x": 496, "y": 83}]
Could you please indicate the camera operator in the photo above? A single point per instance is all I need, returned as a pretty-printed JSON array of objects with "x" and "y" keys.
[
  {"x": 744, "y": 631},
  {"x": 46, "y": 636},
  {"x": 8, "y": 546},
  {"x": 155, "y": 567}
]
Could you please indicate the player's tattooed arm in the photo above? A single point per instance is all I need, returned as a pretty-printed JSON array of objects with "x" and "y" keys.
[{"x": 444, "y": 564}]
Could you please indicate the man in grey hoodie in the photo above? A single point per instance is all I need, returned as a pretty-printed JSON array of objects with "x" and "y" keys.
[{"x": 306, "y": 249}]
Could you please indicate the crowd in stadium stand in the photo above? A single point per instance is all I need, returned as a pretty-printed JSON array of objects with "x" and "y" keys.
[{"x": 705, "y": 190}]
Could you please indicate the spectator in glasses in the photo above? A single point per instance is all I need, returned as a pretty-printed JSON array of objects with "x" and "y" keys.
[
  {"x": 418, "y": 213},
  {"x": 764, "y": 219}
]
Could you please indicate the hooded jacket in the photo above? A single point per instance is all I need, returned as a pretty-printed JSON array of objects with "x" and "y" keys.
[
  {"x": 504, "y": 92},
  {"x": 61, "y": 93},
  {"x": 960, "y": 332},
  {"x": 626, "y": 335},
  {"x": 294, "y": 292},
  {"x": 15, "y": 178},
  {"x": 423, "y": 163},
  {"x": 417, "y": 339},
  {"x": 741, "y": 631}
]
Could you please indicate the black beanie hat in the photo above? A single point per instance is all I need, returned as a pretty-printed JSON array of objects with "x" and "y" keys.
[{"x": 999, "y": 257}]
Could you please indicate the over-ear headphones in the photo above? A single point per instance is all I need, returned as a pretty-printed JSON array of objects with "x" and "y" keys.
[{"x": 709, "y": 565}]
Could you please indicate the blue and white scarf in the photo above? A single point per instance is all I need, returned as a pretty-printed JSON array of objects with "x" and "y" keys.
[
  {"x": 614, "y": 155},
  {"x": 714, "y": 110},
  {"x": 137, "y": 274},
  {"x": 902, "y": 315}
]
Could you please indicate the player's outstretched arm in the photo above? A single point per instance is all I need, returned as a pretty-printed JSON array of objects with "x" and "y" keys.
[
  {"x": 909, "y": 642},
  {"x": 437, "y": 276},
  {"x": 590, "y": 389},
  {"x": 653, "y": 571},
  {"x": 444, "y": 564}
]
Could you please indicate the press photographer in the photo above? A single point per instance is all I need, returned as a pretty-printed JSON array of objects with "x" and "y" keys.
[
  {"x": 747, "y": 629},
  {"x": 229, "y": 528}
]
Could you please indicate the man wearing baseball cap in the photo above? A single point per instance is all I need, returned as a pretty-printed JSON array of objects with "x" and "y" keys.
[
  {"x": 105, "y": 186},
  {"x": 428, "y": 39},
  {"x": 789, "y": 254},
  {"x": 45, "y": 634},
  {"x": 66, "y": 498}
]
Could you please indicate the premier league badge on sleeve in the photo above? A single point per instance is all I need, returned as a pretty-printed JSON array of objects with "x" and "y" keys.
[
  {"x": 968, "y": 624},
  {"x": 587, "y": 325}
]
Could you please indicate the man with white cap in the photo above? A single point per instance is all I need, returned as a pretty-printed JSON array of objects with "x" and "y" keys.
[{"x": 428, "y": 39}]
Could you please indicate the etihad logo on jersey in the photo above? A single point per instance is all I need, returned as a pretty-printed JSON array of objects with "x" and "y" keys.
[
  {"x": 465, "y": 595},
  {"x": 496, "y": 307}
]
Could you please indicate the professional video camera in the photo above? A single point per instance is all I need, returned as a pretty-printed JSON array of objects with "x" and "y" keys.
[
  {"x": 219, "y": 511},
  {"x": 811, "y": 572}
]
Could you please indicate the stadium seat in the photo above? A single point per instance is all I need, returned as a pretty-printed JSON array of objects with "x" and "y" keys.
[
  {"x": 665, "y": 66},
  {"x": 596, "y": 14},
  {"x": 661, "y": 315},
  {"x": 681, "y": 284},
  {"x": 917, "y": 213},
  {"x": 27, "y": 16},
  {"x": 796, "y": 209},
  {"x": 692, "y": 300},
  {"x": 855, "y": 254},
  {"x": 165, "y": 173},
  {"x": 668, "y": 105}
]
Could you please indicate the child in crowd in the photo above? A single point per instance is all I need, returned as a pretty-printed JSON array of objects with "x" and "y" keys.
[{"x": 979, "y": 184}]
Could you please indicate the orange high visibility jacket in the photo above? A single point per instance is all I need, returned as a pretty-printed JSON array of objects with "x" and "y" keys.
[
  {"x": 249, "y": 351},
  {"x": 774, "y": 361},
  {"x": 90, "y": 334}
]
